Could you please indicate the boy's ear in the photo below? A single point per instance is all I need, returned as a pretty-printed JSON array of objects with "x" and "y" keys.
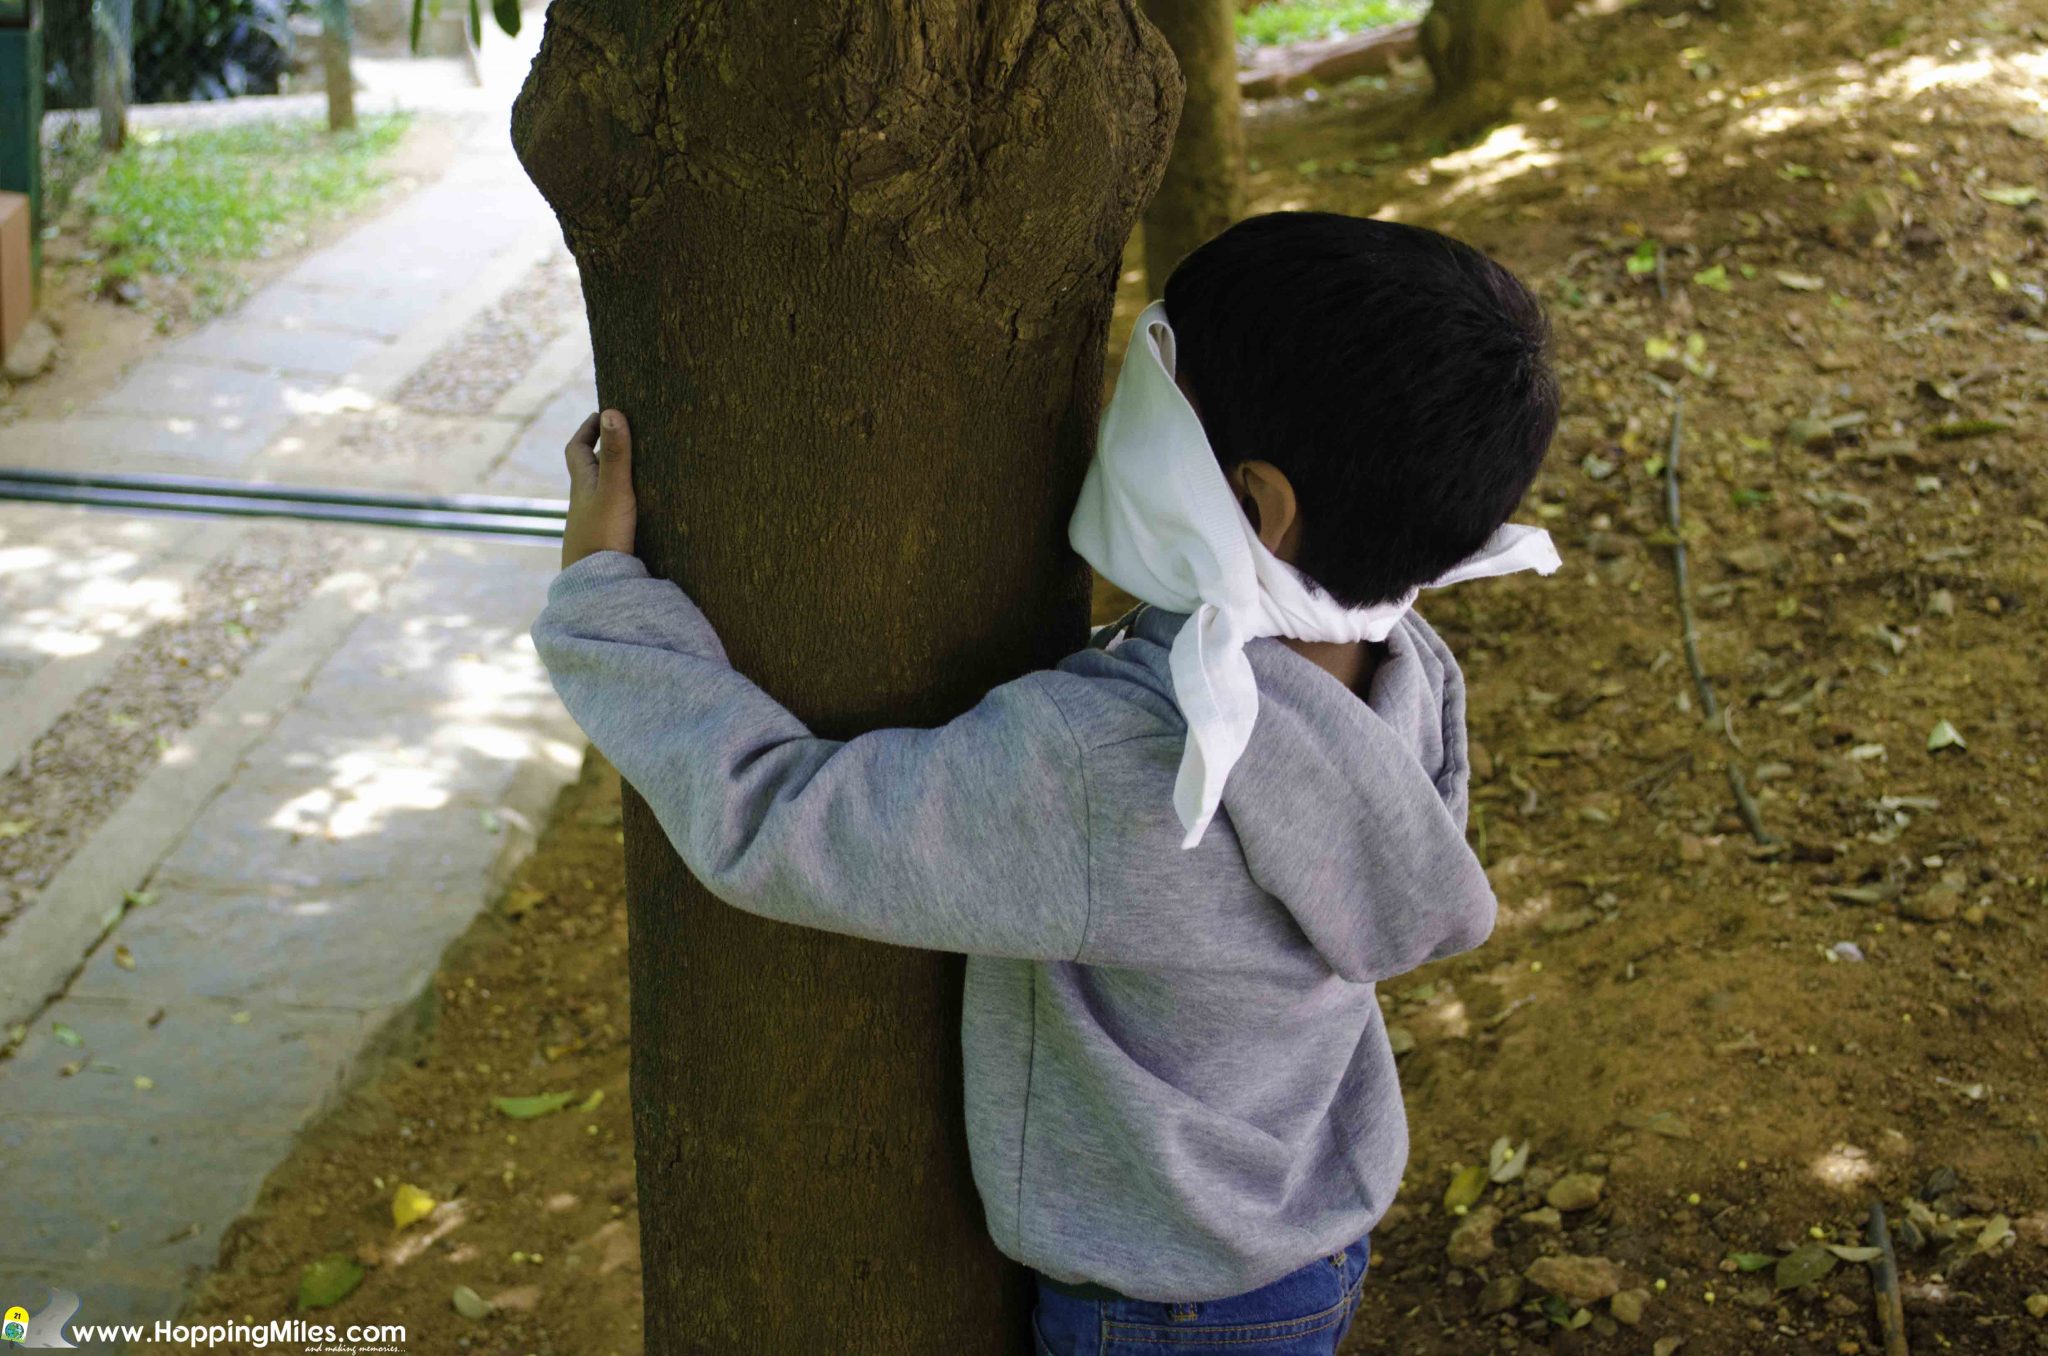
[{"x": 1267, "y": 496}]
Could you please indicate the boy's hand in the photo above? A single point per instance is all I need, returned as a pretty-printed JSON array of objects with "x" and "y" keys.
[{"x": 601, "y": 508}]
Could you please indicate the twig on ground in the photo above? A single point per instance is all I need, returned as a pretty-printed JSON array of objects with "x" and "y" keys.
[
  {"x": 1689, "y": 633},
  {"x": 1745, "y": 804},
  {"x": 1653, "y": 781},
  {"x": 1884, "y": 1283}
]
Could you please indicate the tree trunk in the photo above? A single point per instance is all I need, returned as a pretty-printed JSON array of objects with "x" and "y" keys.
[
  {"x": 1479, "y": 50},
  {"x": 1203, "y": 191},
  {"x": 849, "y": 267},
  {"x": 113, "y": 30},
  {"x": 334, "y": 57}
]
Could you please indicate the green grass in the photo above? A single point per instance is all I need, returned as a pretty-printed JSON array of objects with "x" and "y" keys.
[
  {"x": 70, "y": 157},
  {"x": 1295, "y": 20},
  {"x": 188, "y": 204}
]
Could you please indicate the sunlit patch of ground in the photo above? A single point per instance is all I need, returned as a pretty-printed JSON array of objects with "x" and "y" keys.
[{"x": 1832, "y": 243}]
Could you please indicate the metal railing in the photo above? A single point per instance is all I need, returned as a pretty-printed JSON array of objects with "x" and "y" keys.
[{"x": 469, "y": 514}]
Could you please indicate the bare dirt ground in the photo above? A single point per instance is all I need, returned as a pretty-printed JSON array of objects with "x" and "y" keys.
[{"x": 1717, "y": 1050}]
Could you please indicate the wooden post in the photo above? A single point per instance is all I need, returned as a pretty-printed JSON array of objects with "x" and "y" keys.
[{"x": 21, "y": 113}]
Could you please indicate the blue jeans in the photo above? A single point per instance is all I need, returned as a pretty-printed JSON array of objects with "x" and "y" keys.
[{"x": 1304, "y": 1313}]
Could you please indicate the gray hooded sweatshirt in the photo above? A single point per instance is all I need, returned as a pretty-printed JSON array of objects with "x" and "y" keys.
[{"x": 1178, "y": 1082}]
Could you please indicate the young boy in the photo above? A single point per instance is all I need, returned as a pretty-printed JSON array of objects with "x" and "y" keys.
[{"x": 1180, "y": 861}]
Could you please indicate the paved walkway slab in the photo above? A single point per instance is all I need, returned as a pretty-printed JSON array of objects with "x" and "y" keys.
[
  {"x": 76, "y": 592},
  {"x": 47, "y": 941},
  {"x": 277, "y": 347},
  {"x": 296, "y": 916},
  {"x": 217, "y": 961},
  {"x": 534, "y": 467}
]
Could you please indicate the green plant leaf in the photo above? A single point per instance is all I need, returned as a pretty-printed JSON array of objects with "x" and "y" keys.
[
  {"x": 526, "y": 1108},
  {"x": 1751, "y": 1261},
  {"x": 1466, "y": 1188},
  {"x": 1995, "y": 1231},
  {"x": 1969, "y": 428},
  {"x": 328, "y": 1281},
  {"x": 1804, "y": 1265},
  {"x": 507, "y": 14}
]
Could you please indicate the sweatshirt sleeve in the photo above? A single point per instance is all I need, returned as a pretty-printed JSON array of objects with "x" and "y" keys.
[{"x": 971, "y": 837}]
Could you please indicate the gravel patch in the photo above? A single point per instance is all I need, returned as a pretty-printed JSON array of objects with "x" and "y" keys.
[
  {"x": 470, "y": 373},
  {"x": 372, "y": 441},
  {"x": 96, "y": 753}
]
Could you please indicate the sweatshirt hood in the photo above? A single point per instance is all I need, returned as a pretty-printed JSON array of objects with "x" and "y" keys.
[{"x": 1352, "y": 812}]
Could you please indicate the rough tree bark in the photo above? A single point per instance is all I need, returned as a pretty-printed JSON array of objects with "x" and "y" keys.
[
  {"x": 1203, "y": 191},
  {"x": 849, "y": 267}
]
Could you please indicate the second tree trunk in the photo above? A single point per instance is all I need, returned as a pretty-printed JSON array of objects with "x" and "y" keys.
[{"x": 1203, "y": 191}]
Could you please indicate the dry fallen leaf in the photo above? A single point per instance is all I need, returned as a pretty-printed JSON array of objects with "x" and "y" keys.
[{"x": 410, "y": 1205}]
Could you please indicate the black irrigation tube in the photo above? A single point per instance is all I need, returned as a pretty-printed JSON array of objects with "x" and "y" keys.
[{"x": 475, "y": 514}]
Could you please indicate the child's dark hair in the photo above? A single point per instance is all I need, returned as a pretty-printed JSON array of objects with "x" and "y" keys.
[{"x": 1399, "y": 378}]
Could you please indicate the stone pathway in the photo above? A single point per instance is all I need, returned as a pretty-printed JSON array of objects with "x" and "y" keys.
[{"x": 220, "y": 951}]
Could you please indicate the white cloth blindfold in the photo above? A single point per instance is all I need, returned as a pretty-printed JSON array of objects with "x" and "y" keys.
[{"x": 1159, "y": 520}]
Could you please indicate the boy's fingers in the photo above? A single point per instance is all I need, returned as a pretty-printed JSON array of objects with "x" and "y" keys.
[
  {"x": 615, "y": 459},
  {"x": 581, "y": 453}
]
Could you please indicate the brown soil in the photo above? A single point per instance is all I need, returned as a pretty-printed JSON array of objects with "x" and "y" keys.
[
  {"x": 1666, "y": 1005},
  {"x": 100, "y": 337},
  {"x": 1662, "y": 1004}
]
